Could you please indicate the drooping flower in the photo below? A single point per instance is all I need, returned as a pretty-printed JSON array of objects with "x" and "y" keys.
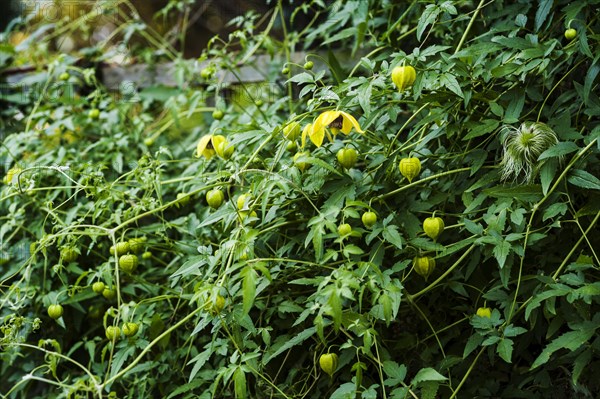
[
  {"x": 208, "y": 144},
  {"x": 335, "y": 121}
]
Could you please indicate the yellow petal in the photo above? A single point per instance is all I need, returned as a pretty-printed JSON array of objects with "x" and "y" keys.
[
  {"x": 305, "y": 132},
  {"x": 202, "y": 144},
  {"x": 325, "y": 119},
  {"x": 316, "y": 136},
  {"x": 349, "y": 122}
]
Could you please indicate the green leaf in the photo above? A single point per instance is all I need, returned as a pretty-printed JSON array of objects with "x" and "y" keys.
[
  {"x": 559, "y": 149},
  {"x": 583, "y": 179},
  {"x": 429, "y": 389},
  {"x": 484, "y": 127},
  {"x": 580, "y": 363},
  {"x": 543, "y": 10},
  {"x": 505, "y": 349},
  {"x": 335, "y": 307},
  {"x": 472, "y": 227},
  {"x": 345, "y": 391},
  {"x": 501, "y": 251},
  {"x": 555, "y": 209},
  {"x": 284, "y": 342},
  {"x": 472, "y": 343},
  {"x": 428, "y": 17},
  {"x": 391, "y": 235},
  {"x": 571, "y": 340},
  {"x": 248, "y": 287},
  {"x": 395, "y": 372},
  {"x": 450, "y": 82},
  {"x": 427, "y": 374},
  {"x": 547, "y": 173},
  {"x": 590, "y": 76},
  {"x": 239, "y": 380},
  {"x": 199, "y": 361}
]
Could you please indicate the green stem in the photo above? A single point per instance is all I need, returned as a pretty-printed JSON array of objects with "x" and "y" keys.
[
  {"x": 529, "y": 224},
  {"x": 432, "y": 177},
  {"x": 469, "y": 26},
  {"x": 149, "y": 346},
  {"x": 464, "y": 379},
  {"x": 443, "y": 276},
  {"x": 555, "y": 86},
  {"x": 413, "y": 116}
]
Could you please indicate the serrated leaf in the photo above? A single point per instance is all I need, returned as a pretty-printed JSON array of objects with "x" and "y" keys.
[
  {"x": 571, "y": 340},
  {"x": 239, "y": 381},
  {"x": 542, "y": 12},
  {"x": 501, "y": 251},
  {"x": 590, "y": 76},
  {"x": 345, "y": 391},
  {"x": 472, "y": 343},
  {"x": 285, "y": 342},
  {"x": 580, "y": 363},
  {"x": 481, "y": 128},
  {"x": 450, "y": 82},
  {"x": 558, "y": 150},
  {"x": 583, "y": 179},
  {"x": 428, "y": 374},
  {"x": 303, "y": 77},
  {"x": 248, "y": 288},
  {"x": 505, "y": 349},
  {"x": 554, "y": 209},
  {"x": 428, "y": 17},
  {"x": 472, "y": 227},
  {"x": 335, "y": 305},
  {"x": 391, "y": 235},
  {"x": 394, "y": 371}
]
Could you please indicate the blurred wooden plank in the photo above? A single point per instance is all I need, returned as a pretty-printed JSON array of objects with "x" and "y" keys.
[{"x": 139, "y": 76}]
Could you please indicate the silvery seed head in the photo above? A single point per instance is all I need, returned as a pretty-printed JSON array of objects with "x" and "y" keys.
[{"x": 522, "y": 148}]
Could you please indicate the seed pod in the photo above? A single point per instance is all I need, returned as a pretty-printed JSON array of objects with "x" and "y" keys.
[
  {"x": 484, "y": 312},
  {"x": 130, "y": 329},
  {"x": 68, "y": 254},
  {"x": 369, "y": 219},
  {"x": 329, "y": 363},
  {"x": 224, "y": 150},
  {"x": 120, "y": 248},
  {"x": 128, "y": 263},
  {"x": 55, "y": 311},
  {"x": 404, "y": 77},
  {"x": 410, "y": 168},
  {"x": 424, "y": 265},
  {"x": 301, "y": 164},
  {"x": 433, "y": 227},
  {"x": 136, "y": 245},
  {"x": 112, "y": 333},
  {"x": 215, "y": 198},
  {"x": 109, "y": 293},
  {"x": 344, "y": 229},
  {"x": 570, "y": 34},
  {"x": 218, "y": 305},
  {"x": 98, "y": 287},
  {"x": 291, "y": 131},
  {"x": 182, "y": 199},
  {"x": 241, "y": 201},
  {"x": 347, "y": 157}
]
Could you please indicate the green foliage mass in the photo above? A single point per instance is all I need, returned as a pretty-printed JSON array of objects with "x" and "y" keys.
[{"x": 242, "y": 299}]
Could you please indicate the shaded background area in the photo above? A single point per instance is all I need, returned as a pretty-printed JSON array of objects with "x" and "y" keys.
[{"x": 205, "y": 19}]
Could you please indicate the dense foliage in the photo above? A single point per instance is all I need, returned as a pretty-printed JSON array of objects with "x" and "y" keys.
[{"x": 410, "y": 210}]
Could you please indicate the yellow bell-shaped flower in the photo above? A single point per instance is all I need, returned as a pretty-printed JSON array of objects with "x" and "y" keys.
[
  {"x": 335, "y": 120},
  {"x": 208, "y": 144}
]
